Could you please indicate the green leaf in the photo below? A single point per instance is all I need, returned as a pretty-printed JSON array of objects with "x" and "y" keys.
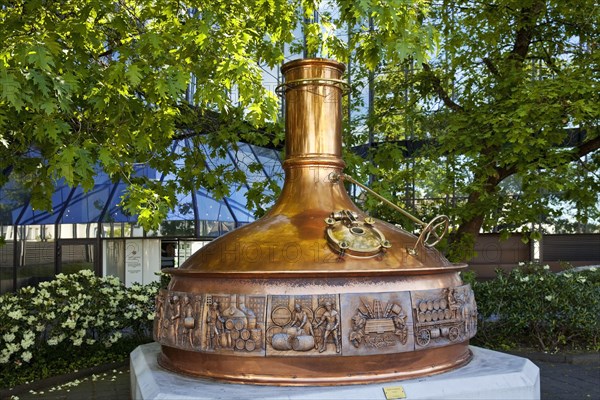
[
  {"x": 65, "y": 164},
  {"x": 39, "y": 57},
  {"x": 134, "y": 75},
  {"x": 10, "y": 88},
  {"x": 40, "y": 81}
]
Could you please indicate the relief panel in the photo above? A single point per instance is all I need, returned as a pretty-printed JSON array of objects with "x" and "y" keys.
[
  {"x": 377, "y": 323},
  {"x": 443, "y": 316},
  {"x": 234, "y": 324},
  {"x": 303, "y": 325},
  {"x": 178, "y": 322}
]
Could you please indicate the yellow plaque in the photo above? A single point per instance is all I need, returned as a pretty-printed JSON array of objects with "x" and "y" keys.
[{"x": 394, "y": 392}]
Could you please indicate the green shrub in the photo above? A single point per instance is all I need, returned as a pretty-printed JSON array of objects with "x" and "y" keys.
[
  {"x": 533, "y": 307},
  {"x": 74, "y": 321}
]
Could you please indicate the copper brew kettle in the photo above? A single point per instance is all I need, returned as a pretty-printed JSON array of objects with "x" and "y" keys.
[{"x": 316, "y": 292}]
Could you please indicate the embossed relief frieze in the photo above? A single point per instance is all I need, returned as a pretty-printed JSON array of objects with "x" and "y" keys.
[
  {"x": 377, "y": 323},
  {"x": 443, "y": 316},
  {"x": 303, "y": 325},
  {"x": 282, "y": 325}
]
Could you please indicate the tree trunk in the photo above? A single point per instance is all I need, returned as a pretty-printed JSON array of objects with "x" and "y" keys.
[{"x": 463, "y": 239}]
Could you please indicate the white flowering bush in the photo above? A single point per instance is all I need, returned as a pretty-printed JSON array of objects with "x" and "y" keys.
[
  {"x": 74, "y": 313},
  {"x": 532, "y": 306}
]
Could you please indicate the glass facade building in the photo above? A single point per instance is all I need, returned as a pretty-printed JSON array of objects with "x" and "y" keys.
[{"x": 89, "y": 230}]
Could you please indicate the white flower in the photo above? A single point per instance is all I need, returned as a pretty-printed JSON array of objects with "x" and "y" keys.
[
  {"x": 593, "y": 269},
  {"x": 28, "y": 289},
  {"x": 5, "y": 354},
  {"x": 77, "y": 342},
  {"x": 26, "y": 356},
  {"x": 549, "y": 297},
  {"x": 521, "y": 263},
  {"x": 524, "y": 279},
  {"x": 16, "y": 314},
  {"x": 12, "y": 347},
  {"x": 547, "y": 267},
  {"x": 69, "y": 323},
  {"x": 115, "y": 337},
  {"x": 53, "y": 341},
  {"x": 8, "y": 337},
  {"x": 28, "y": 340}
]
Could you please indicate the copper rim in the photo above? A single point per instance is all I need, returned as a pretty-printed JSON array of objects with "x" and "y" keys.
[
  {"x": 316, "y": 371},
  {"x": 314, "y": 274},
  {"x": 312, "y": 62}
]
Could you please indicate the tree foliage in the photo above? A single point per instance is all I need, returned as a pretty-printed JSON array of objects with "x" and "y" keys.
[
  {"x": 486, "y": 119},
  {"x": 105, "y": 83},
  {"x": 506, "y": 112}
]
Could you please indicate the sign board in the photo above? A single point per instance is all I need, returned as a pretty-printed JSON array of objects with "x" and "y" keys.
[
  {"x": 134, "y": 259},
  {"x": 394, "y": 392}
]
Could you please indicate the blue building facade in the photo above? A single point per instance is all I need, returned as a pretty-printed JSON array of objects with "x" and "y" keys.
[{"x": 89, "y": 230}]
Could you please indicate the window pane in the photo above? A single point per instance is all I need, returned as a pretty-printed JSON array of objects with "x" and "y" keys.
[
  {"x": 13, "y": 198},
  {"x": 77, "y": 257},
  {"x": 114, "y": 258},
  {"x": 6, "y": 261},
  {"x": 37, "y": 263},
  {"x": 59, "y": 199},
  {"x": 87, "y": 207}
]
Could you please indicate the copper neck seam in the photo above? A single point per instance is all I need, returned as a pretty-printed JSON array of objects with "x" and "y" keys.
[{"x": 311, "y": 162}]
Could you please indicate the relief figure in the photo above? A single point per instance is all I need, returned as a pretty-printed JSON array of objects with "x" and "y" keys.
[
  {"x": 332, "y": 322},
  {"x": 175, "y": 317},
  {"x": 189, "y": 322},
  {"x": 358, "y": 328},
  {"x": 215, "y": 326}
]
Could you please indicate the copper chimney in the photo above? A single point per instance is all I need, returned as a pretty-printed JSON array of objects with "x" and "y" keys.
[{"x": 316, "y": 292}]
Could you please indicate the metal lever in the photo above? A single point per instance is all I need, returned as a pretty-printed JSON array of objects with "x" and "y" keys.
[{"x": 430, "y": 230}]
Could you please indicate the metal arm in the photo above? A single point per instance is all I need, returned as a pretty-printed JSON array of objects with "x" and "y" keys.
[{"x": 430, "y": 230}]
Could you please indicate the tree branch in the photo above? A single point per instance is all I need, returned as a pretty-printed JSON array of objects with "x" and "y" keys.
[
  {"x": 549, "y": 62},
  {"x": 524, "y": 33},
  {"x": 488, "y": 63},
  {"x": 587, "y": 147},
  {"x": 441, "y": 92}
]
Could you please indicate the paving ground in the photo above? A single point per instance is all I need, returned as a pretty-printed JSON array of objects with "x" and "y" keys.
[
  {"x": 111, "y": 385},
  {"x": 559, "y": 381}
]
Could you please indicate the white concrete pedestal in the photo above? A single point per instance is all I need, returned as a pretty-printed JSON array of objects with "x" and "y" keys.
[{"x": 490, "y": 375}]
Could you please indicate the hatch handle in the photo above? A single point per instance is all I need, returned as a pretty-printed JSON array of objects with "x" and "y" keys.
[{"x": 434, "y": 230}]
